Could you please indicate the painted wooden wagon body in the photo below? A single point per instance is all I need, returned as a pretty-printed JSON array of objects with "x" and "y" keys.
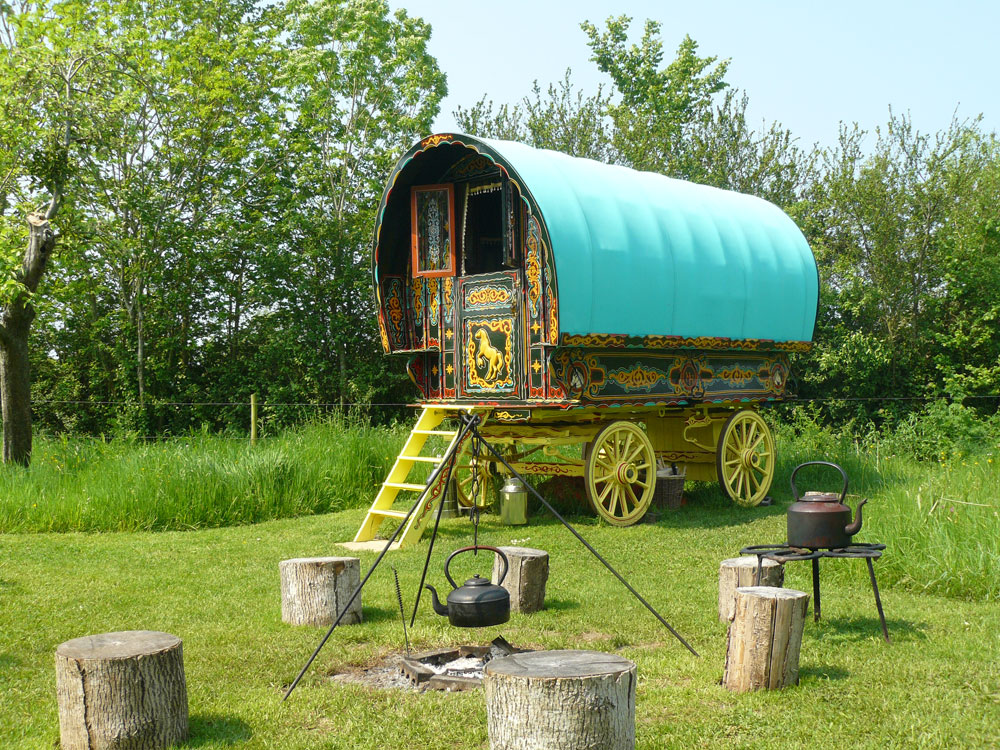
[{"x": 569, "y": 301}]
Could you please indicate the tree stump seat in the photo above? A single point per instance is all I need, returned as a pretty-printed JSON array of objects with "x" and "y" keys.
[
  {"x": 121, "y": 691},
  {"x": 740, "y": 571},
  {"x": 553, "y": 700},
  {"x": 526, "y": 578},
  {"x": 314, "y": 590},
  {"x": 762, "y": 649}
]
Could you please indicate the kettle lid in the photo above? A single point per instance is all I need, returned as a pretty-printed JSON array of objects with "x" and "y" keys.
[{"x": 477, "y": 581}]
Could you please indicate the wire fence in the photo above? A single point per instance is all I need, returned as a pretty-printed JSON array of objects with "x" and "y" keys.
[{"x": 234, "y": 420}]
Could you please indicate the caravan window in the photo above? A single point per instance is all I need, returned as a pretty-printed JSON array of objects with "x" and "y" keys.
[{"x": 432, "y": 224}]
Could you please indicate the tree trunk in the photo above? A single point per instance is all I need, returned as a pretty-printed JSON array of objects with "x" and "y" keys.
[
  {"x": 121, "y": 691},
  {"x": 551, "y": 700},
  {"x": 762, "y": 648},
  {"x": 343, "y": 373},
  {"x": 740, "y": 571},
  {"x": 15, "y": 387},
  {"x": 15, "y": 323},
  {"x": 140, "y": 354},
  {"x": 314, "y": 590},
  {"x": 525, "y": 581}
]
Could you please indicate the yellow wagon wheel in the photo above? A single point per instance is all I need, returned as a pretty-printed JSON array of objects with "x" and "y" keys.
[
  {"x": 467, "y": 471},
  {"x": 620, "y": 473},
  {"x": 745, "y": 458}
]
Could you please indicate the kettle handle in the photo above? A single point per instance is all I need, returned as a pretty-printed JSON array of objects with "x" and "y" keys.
[
  {"x": 506, "y": 563},
  {"x": 795, "y": 492}
]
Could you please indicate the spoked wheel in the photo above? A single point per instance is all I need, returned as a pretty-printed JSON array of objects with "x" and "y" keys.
[
  {"x": 473, "y": 475},
  {"x": 620, "y": 473},
  {"x": 745, "y": 458}
]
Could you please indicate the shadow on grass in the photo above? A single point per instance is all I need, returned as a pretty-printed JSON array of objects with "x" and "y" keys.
[
  {"x": 862, "y": 628},
  {"x": 705, "y": 506},
  {"x": 381, "y": 614},
  {"x": 823, "y": 673},
  {"x": 211, "y": 729},
  {"x": 561, "y": 604}
]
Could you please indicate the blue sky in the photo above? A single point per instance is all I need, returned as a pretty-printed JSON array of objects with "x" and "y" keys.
[{"x": 808, "y": 65}]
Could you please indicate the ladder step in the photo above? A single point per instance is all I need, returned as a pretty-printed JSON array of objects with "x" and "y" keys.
[
  {"x": 446, "y": 433},
  {"x": 406, "y": 486},
  {"x": 388, "y": 513}
]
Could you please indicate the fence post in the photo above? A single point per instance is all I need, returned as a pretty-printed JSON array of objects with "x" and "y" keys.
[{"x": 253, "y": 418}]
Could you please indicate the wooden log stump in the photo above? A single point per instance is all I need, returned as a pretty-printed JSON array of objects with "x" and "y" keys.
[
  {"x": 762, "y": 651},
  {"x": 124, "y": 691},
  {"x": 529, "y": 571},
  {"x": 314, "y": 590},
  {"x": 553, "y": 700},
  {"x": 740, "y": 571}
]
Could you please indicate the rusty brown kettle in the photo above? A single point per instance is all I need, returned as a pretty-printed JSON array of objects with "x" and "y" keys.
[{"x": 819, "y": 520}]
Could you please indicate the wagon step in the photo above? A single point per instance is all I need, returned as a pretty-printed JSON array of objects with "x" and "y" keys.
[
  {"x": 389, "y": 513},
  {"x": 399, "y": 480}
]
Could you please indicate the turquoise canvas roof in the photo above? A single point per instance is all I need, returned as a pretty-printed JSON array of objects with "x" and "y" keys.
[{"x": 641, "y": 254}]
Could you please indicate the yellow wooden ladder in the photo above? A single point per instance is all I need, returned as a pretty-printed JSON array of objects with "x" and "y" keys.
[{"x": 396, "y": 482}]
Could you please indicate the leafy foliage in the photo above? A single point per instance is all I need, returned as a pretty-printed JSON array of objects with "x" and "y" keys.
[{"x": 212, "y": 171}]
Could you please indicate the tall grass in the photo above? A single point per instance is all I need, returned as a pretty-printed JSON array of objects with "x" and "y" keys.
[
  {"x": 939, "y": 516},
  {"x": 199, "y": 481}
]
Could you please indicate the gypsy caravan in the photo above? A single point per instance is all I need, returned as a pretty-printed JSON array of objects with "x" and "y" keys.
[{"x": 568, "y": 302}]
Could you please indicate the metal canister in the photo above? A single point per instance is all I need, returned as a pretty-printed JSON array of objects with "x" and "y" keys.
[{"x": 514, "y": 503}]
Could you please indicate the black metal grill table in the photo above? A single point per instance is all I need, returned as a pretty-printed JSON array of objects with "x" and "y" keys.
[{"x": 783, "y": 553}]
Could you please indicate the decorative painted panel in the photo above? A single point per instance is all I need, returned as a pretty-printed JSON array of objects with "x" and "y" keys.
[
  {"x": 492, "y": 337},
  {"x": 470, "y": 166},
  {"x": 621, "y": 341},
  {"x": 448, "y": 378},
  {"x": 415, "y": 305},
  {"x": 433, "y": 313},
  {"x": 393, "y": 305},
  {"x": 490, "y": 351},
  {"x": 688, "y": 376},
  {"x": 488, "y": 296}
]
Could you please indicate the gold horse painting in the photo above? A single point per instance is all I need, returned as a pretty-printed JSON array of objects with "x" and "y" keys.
[{"x": 488, "y": 356}]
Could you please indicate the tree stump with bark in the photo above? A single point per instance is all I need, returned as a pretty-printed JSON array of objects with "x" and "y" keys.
[
  {"x": 740, "y": 571},
  {"x": 121, "y": 691},
  {"x": 526, "y": 578},
  {"x": 314, "y": 590},
  {"x": 552, "y": 700},
  {"x": 762, "y": 651}
]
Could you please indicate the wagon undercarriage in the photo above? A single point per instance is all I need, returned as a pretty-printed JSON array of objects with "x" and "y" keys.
[{"x": 618, "y": 455}]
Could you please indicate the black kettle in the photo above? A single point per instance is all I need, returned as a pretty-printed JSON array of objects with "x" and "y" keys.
[
  {"x": 477, "y": 603},
  {"x": 820, "y": 520}
]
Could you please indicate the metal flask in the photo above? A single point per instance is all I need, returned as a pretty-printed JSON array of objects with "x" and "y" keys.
[
  {"x": 819, "y": 520},
  {"x": 514, "y": 503},
  {"x": 477, "y": 603}
]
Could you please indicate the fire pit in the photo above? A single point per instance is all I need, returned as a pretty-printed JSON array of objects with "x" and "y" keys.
[{"x": 458, "y": 668}]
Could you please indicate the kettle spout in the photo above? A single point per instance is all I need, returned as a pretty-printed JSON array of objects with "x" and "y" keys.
[
  {"x": 853, "y": 528},
  {"x": 438, "y": 606}
]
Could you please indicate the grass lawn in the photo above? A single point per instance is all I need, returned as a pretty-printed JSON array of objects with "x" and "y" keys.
[{"x": 937, "y": 685}]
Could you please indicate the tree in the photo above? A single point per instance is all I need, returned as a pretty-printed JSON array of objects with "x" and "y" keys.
[
  {"x": 48, "y": 71},
  {"x": 563, "y": 120},
  {"x": 656, "y": 107},
  {"x": 901, "y": 232},
  {"x": 362, "y": 87}
]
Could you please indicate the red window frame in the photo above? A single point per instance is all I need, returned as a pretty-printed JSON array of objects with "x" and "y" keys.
[{"x": 414, "y": 240}]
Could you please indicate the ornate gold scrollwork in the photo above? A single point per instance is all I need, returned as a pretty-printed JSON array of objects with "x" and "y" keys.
[{"x": 696, "y": 423}]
